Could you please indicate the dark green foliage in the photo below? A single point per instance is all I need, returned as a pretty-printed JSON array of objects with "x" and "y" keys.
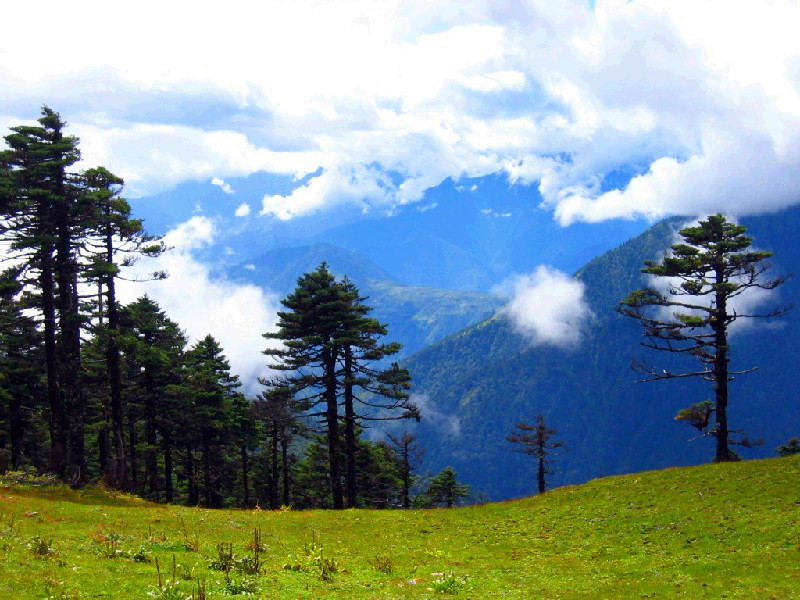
[
  {"x": 331, "y": 350},
  {"x": 152, "y": 345},
  {"x": 445, "y": 490},
  {"x": 215, "y": 404},
  {"x": 707, "y": 272},
  {"x": 790, "y": 447},
  {"x": 21, "y": 393}
]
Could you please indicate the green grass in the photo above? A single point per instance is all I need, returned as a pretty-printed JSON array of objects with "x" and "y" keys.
[{"x": 714, "y": 531}]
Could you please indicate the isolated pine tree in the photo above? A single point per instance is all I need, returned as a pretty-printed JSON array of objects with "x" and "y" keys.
[
  {"x": 704, "y": 273},
  {"x": 410, "y": 456},
  {"x": 535, "y": 441}
]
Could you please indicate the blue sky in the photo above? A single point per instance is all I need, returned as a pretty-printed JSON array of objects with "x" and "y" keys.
[{"x": 611, "y": 109}]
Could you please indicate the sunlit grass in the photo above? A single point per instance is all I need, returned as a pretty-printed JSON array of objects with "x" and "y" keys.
[{"x": 707, "y": 532}]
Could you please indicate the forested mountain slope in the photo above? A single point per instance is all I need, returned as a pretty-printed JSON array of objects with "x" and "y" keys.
[{"x": 478, "y": 383}]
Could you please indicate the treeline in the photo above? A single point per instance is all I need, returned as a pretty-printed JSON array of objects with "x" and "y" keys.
[{"x": 91, "y": 390}]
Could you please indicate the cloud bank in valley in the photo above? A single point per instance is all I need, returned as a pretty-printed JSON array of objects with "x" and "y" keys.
[
  {"x": 547, "y": 307},
  {"x": 235, "y": 314},
  {"x": 699, "y": 101}
]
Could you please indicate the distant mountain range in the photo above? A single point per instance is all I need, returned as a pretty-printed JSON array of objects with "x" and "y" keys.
[
  {"x": 468, "y": 235},
  {"x": 417, "y": 316},
  {"x": 477, "y": 384}
]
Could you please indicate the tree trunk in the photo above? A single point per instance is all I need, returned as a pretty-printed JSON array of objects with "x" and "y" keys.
[
  {"x": 151, "y": 457},
  {"x": 406, "y": 477},
  {"x": 540, "y": 472},
  {"x": 194, "y": 496},
  {"x": 16, "y": 428},
  {"x": 332, "y": 418},
  {"x": 245, "y": 482},
  {"x": 70, "y": 339},
  {"x": 285, "y": 465},
  {"x": 58, "y": 421},
  {"x": 350, "y": 430},
  {"x": 721, "y": 360},
  {"x": 273, "y": 459},
  {"x": 114, "y": 371},
  {"x": 169, "y": 490},
  {"x": 132, "y": 449}
]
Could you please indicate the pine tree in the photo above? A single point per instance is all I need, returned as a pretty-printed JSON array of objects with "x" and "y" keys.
[
  {"x": 152, "y": 345},
  {"x": 535, "y": 441},
  {"x": 709, "y": 269},
  {"x": 38, "y": 204},
  {"x": 331, "y": 345},
  {"x": 410, "y": 456},
  {"x": 308, "y": 330},
  {"x": 445, "y": 490},
  {"x": 384, "y": 392},
  {"x": 20, "y": 372},
  {"x": 277, "y": 410},
  {"x": 214, "y": 390},
  {"x": 113, "y": 233}
]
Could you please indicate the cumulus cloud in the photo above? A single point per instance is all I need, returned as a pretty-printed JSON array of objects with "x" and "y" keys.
[
  {"x": 547, "y": 307},
  {"x": 235, "y": 314},
  {"x": 242, "y": 210},
  {"x": 700, "y": 101},
  {"x": 225, "y": 187}
]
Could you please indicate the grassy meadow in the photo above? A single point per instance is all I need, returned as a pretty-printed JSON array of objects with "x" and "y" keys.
[{"x": 715, "y": 531}]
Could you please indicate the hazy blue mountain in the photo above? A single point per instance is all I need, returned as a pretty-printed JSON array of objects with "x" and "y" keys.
[
  {"x": 478, "y": 383},
  {"x": 466, "y": 235},
  {"x": 416, "y": 316},
  {"x": 471, "y": 235}
]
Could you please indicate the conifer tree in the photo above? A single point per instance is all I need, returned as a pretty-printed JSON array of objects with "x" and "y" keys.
[
  {"x": 308, "y": 330},
  {"x": 384, "y": 392},
  {"x": 704, "y": 274},
  {"x": 153, "y": 346},
  {"x": 445, "y": 490},
  {"x": 535, "y": 441},
  {"x": 213, "y": 389},
  {"x": 331, "y": 346},
  {"x": 38, "y": 209},
  {"x": 410, "y": 456},
  {"x": 20, "y": 359},
  {"x": 114, "y": 233}
]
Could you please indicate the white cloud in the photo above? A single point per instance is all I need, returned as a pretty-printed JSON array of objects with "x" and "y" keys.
[
  {"x": 701, "y": 99},
  {"x": 448, "y": 424},
  {"x": 221, "y": 184},
  {"x": 235, "y": 314},
  {"x": 242, "y": 210},
  {"x": 548, "y": 307},
  {"x": 195, "y": 233}
]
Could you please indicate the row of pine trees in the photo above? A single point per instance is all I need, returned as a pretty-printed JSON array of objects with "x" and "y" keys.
[{"x": 93, "y": 390}]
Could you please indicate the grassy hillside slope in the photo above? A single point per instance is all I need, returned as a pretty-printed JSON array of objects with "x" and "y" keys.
[{"x": 728, "y": 530}]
